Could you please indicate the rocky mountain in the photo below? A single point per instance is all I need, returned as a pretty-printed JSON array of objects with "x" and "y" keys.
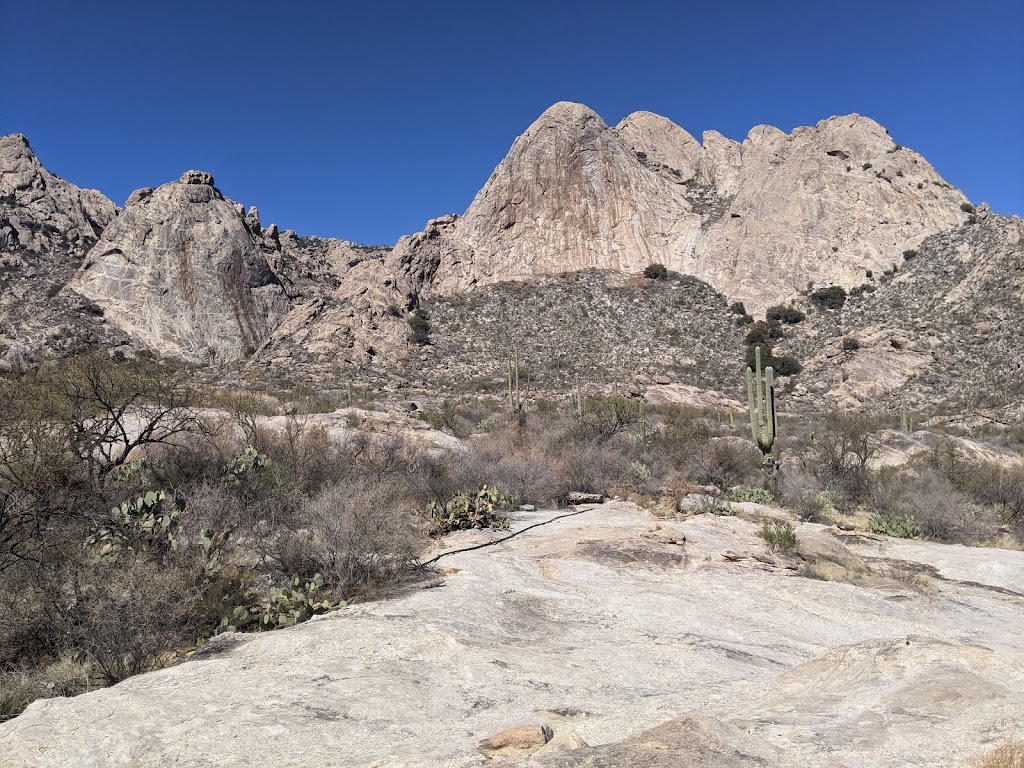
[
  {"x": 181, "y": 272},
  {"x": 757, "y": 220},
  {"x": 46, "y": 225},
  {"x": 40, "y": 213},
  {"x": 192, "y": 275},
  {"x": 187, "y": 273}
]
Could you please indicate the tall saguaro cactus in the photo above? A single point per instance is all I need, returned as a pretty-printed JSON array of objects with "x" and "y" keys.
[
  {"x": 764, "y": 425},
  {"x": 517, "y": 398}
]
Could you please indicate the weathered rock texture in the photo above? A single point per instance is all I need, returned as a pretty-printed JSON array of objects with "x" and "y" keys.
[
  {"x": 46, "y": 225},
  {"x": 42, "y": 213},
  {"x": 757, "y": 220},
  {"x": 181, "y": 272},
  {"x": 632, "y": 650}
]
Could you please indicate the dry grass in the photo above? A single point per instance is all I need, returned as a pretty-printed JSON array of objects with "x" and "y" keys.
[{"x": 1009, "y": 755}]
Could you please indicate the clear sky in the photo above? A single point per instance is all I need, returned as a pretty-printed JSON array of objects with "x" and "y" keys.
[{"x": 363, "y": 120}]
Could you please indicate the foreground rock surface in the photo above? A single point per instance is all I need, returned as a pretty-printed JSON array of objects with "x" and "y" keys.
[{"x": 631, "y": 650}]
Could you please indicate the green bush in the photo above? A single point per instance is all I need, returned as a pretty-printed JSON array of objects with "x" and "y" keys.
[
  {"x": 782, "y": 365},
  {"x": 898, "y": 526},
  {"x": 755, "y": 495},
  {"x": 850, "y": 344},
  {"x": 782, "y": 314},
  {"x": 737, "y": 308},
  {"x": 833, "y": 297},
  {"x": 763, "y": 332},
  {"x": 656, "y": 271},
  {"x": 780, "y": 536},
  {"x": 420, "y": 326}
]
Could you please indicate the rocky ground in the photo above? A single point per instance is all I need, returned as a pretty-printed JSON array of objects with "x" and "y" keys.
[{"x": 631, "y": 640}]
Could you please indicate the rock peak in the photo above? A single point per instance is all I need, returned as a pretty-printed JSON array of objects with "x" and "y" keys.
[
  {"x": 568, "y": 112},
  {"x": 196, "y": 177},
  {"x": 15, "y": 139}
]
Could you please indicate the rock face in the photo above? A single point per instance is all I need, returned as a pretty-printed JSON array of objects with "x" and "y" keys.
[
  {"x": 181, "y": 271},
  {"x": 42, "y": 213},
  {"x": 46, "y": 225},
  {"x": 631, "y": 650},
  {"x": 758, "y": 220}
]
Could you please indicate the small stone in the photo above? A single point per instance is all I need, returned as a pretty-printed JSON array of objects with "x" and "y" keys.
[{"x": 521, "y": 740}]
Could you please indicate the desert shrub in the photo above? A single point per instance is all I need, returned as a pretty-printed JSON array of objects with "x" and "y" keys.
[
  {"x": 1001, "y": 488},
  {"x": 909, "y": 254},
  {"x": 784, "y": 314},
  {"x": 785, "y": 365},
  {"x": 860, "y": 290},
  {"x": 782, "y": 365},
  {"x": 523, "y": 471},
  {"x": 929, "y": 498},
  {"x": 833, "y": 297},
  {"x": 779, "y": 536},
  {"x": 460, "y": 419},
  {"x": 763, "y": 332},
  {"x": 737, "y": 308},
  {"x": 131, "y": 616},
  {"x": 592, "y": 467},
  {"x": 726, "y": 462},
  {"x": 419, "y": 326},
  {"x": 755, "y": 495},
  {"x": 359, "y": 535},
  {"x": 967, "y": 208},
  {"x": 837, "y": 452},
  {"x": 801, "y": 493},
  {"x": 850, "y": 344},
  {"x": 1009, "y": 755},
  {"x": 899, "y": 526},
  {"x": 656, "y": 271},
  {"x": 18, "y": 689},
  {"x": 606, "y": 417}
]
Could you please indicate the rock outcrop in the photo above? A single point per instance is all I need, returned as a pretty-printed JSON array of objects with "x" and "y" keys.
[
  {"x": 758, "y": 220},
  {"x": 631, "y": 650},
  {"x": 46, "y": 225},
  {"x": 181, "y": 271},
  {"x": 42, "y": 213}
]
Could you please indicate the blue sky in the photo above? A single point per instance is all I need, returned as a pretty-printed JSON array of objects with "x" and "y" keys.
[{"x": 363, "y": 120}]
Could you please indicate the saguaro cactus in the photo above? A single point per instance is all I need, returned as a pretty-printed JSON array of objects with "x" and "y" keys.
[
  {"x": 764, "y": 425},
  {"x": 517, "y": 397}
]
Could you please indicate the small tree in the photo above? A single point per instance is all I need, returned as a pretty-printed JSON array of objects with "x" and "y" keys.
[
  {"x": 420, "y": 326},
  {"x": 656, "y": 272},
  {"x": 833, "y": 297}
]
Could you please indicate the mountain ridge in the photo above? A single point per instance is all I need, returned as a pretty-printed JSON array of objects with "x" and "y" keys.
[{"x": 761, "y": 221}]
